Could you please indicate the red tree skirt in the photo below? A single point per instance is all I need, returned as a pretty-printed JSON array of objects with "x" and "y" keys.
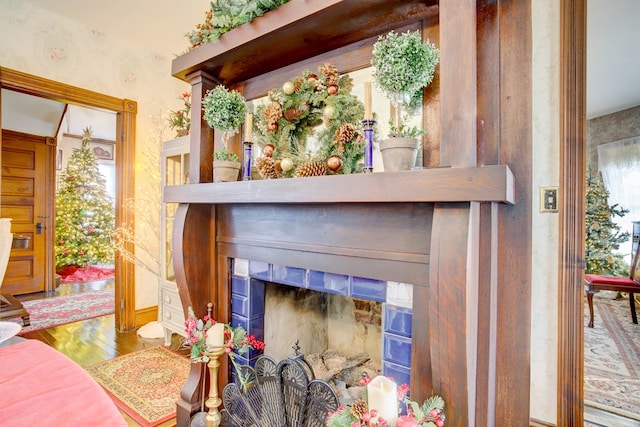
[{"x": 86, "y": 274}]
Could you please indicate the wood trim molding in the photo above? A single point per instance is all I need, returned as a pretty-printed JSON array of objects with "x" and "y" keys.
[
  {"x": 573, "y": 23},
  {"x": 125, "y": 295},
  {"x": 125, "y": 159}
]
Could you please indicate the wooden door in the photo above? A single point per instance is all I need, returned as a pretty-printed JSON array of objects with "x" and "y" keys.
[{"x": 24, "y": 197}]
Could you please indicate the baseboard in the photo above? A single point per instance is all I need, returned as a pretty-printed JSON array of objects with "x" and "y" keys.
[
  {"x": 146, "y": 315},
  {"x": 537, "y": 423}
]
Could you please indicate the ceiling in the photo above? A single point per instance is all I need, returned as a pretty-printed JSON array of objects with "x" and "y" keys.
[
  {"x": 613, "y": 59},
  {"x": 158, "y": 25}
]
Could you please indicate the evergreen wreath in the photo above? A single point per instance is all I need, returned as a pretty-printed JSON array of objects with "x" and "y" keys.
[{"x": 294, "y": 112}]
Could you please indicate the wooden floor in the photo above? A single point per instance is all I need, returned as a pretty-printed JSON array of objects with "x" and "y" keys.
[{"x": 91, "y": 341}]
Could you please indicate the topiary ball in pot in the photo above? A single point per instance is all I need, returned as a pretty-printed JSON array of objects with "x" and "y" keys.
[
  {"x": 224, "y": 110},
  {"x": 402, "y": 66}
]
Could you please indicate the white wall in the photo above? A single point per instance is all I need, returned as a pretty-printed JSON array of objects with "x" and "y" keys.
[
  {"x": 545, "y": 226},
  {"x": 56, "y": 48}
]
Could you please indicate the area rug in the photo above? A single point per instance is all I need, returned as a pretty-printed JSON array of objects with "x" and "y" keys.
[
  {"x": 50, "y": 312},
  {"x": 73, "y": 274},
  {"x": 145, "y": 384},
  {"x": 612, "y": 358}
]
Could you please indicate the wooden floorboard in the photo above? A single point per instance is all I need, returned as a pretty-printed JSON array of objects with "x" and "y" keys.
[{"x": 94, "y": 340}]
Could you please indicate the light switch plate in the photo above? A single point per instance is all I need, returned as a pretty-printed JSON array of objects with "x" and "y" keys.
[{"x": 548, "y": 199}]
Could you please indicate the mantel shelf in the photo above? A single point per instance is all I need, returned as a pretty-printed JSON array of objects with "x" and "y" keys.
[
  {"x": 481, "y": 184},
  {"x": 302, "y": 29}
]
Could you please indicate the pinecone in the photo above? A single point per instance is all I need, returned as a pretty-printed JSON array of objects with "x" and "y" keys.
[
  {"x": 266, "y": 168},
  {"x": 330, "y": 72},
  {"x": 359, "y": 408},
  {"x": 345, "y": 133},
  {"x": 292, "y": 114},
  {"x": 312, "y": 169},
  {"x": 272, "y": 112}
]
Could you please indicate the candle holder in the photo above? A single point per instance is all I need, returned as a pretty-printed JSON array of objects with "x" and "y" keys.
[
  {"x": 213, "y": 418},
  {"x": 368, "y": 147},
  {"x": 247, "y": 161}
]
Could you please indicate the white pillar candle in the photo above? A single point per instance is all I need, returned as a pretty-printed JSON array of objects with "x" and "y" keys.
[
  {"x": 215, "y": 335},
  {"x": 367, "y": 101},
  {"x": 382, "y": 395},
  {"x": 248, "y": 128}
]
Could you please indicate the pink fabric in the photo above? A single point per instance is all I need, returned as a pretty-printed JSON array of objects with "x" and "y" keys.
[{"x": 41, "y": 386}]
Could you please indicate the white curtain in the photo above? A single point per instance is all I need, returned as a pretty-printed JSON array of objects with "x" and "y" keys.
[{"x": 619, "y": 163}]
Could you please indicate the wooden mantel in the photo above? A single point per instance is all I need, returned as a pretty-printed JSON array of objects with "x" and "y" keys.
[
  {"x": 296, "y": 31},
  {"x": 483, "y": 184},
  {"x": 459, "y": 230}
]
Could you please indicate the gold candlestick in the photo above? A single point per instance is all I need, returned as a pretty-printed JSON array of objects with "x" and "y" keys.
[{"x": 213, "y": 417}]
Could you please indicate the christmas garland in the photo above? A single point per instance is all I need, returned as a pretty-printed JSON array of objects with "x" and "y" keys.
[
  {"x": 225, "y": 15},
  {"x": 292, "y": 116}
]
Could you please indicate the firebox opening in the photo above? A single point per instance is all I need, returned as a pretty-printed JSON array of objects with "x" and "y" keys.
[
  {"x": 340, "y": 336},
  {"x": 320, "y": 321}
]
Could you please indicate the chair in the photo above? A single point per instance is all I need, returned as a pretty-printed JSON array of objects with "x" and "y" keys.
[
  {"x": 9, "y": 306},
  {"x": 595, "y": 283}
]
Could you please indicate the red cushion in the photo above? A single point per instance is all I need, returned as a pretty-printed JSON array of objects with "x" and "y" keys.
[{"x": 610, "y": 280}]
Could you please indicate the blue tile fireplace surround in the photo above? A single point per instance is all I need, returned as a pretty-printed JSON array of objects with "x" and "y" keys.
[{"x": 248, "y": 286}]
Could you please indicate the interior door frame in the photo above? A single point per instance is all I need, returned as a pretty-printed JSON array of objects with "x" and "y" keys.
[
  {"x": 126, "y": 111},
  {"x": 572, "y": 168}
]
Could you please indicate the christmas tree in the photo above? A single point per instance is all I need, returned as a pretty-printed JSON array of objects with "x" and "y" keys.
[
  {"x": 85, "y": 218},
  {"x": 603, "y": 235}
]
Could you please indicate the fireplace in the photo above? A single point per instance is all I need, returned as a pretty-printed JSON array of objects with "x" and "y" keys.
[
  {"x": 390, "y": 333},
  {"x": 419, "y": 227}
]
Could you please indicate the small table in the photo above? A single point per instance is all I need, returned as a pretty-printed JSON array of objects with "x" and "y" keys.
[{"x": 10, "y": 307}]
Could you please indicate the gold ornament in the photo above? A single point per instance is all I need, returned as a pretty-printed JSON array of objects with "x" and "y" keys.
[
  {"x": 329, "y": 112},
  {"x": 288, "y": 88},
  {"x": 334, "y": 163},
  {"x": 268, "y": 150},
  {"x": 286, "y": 164}
]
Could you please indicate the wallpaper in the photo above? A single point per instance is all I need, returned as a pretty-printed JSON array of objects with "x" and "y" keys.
[{"x": 56, "y": 48}]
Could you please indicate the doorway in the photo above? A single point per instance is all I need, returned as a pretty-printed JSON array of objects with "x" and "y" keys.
[{"x": 125, "y": 111}]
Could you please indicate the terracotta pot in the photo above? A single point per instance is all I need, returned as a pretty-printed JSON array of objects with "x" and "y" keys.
[
  {"x": 398, "y": 154},
  {"x": 225, "y": 171}
]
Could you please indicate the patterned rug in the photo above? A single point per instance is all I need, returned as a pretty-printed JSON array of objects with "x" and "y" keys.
[
  {"x": 145, "y": 384},
  {"x": 49, "y": 312},
  {"x": 612, "y": 358}
]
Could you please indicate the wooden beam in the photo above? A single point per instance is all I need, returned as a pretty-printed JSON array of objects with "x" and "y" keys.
[
  {"x": 453, "y": 286},
  {"x": 458, "y": 66},
  {"x": 573, "y": 40},
  {"x": 201, "y": 134}
]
